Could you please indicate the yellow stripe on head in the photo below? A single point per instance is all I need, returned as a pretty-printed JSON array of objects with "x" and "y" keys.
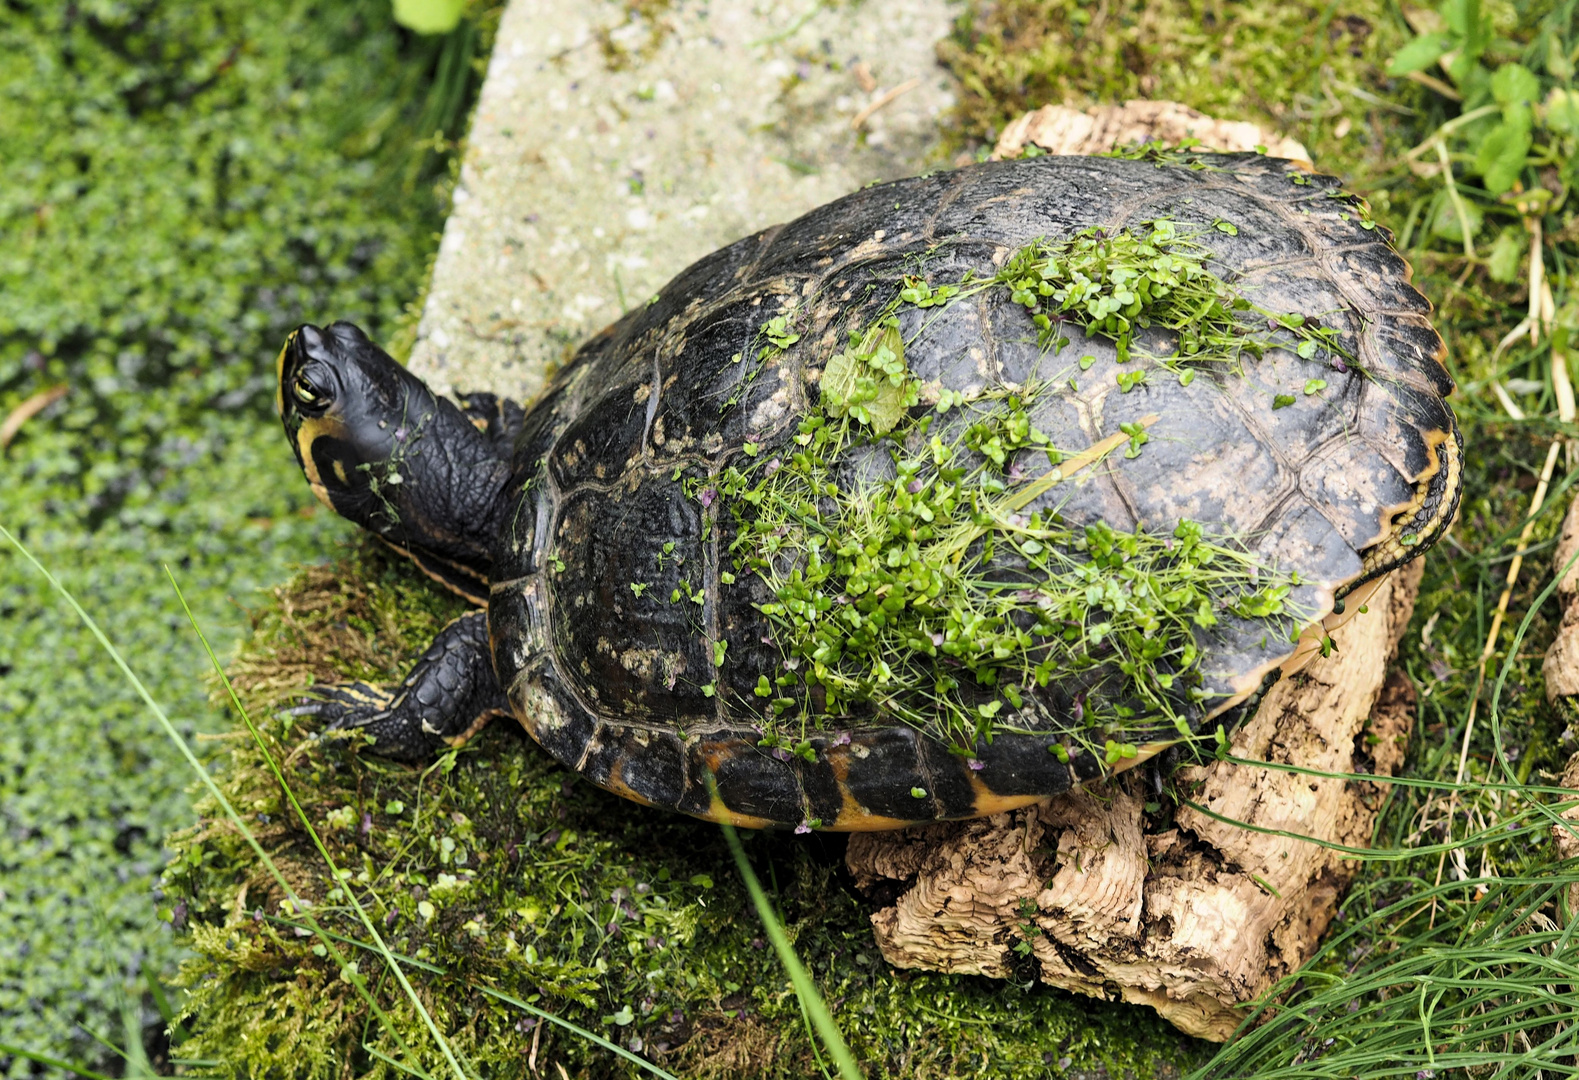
[
  {"x": 279, "y": 375},
  {"x": 306, "y": 435}
]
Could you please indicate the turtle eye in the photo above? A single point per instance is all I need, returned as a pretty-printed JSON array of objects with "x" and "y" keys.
[{"x": 305, "y": 392}]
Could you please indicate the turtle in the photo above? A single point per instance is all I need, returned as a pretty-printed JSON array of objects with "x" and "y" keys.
[{"x": 672, "y": 590}]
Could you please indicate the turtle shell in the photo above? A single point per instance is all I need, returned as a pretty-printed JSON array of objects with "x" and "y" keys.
[{"x": 607, "y": 600}]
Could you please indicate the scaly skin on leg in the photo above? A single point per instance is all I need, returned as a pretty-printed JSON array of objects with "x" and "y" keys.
[{"x": 446, "y": 698}]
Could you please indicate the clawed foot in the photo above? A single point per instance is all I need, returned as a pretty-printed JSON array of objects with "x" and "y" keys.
[
  {"x": 373, "y": 710},
  {"x": 446, "y": 697}
]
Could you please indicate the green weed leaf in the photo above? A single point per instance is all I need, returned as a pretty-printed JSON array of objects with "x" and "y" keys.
[
  {"x": 429, "y": 16},
  {"x": 1419, "y": 54},
  {"x": 1514, "y": 84},
  {"x": 1506, "y": 254},
  {"x": 1500, "y": 158},
  {"x": 1562, "y": 111}
]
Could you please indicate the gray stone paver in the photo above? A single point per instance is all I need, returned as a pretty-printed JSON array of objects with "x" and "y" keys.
[{"x": 585, "y": 188}]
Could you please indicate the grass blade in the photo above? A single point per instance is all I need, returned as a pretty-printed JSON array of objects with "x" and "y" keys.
[
  {"x": 805, "y": 989},
  {"x": 635, "y": 1059},
  {"x": 350, "y": 894},
  {"x": 54, "y": 1062}
]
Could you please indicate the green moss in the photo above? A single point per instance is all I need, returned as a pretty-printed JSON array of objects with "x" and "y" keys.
[
  {"x": 1302, "y": 69},
  {"x": 498, "y": 868}
]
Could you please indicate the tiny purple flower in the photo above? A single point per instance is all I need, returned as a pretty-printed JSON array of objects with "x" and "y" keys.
[
  {"x": 367, "y": 824},
  {"x": 915, "y": 486},
  {"x": 1337, "y": 362},
  {"x": 1016, "y": 473},
  {"x": 802, "y": 829},
  {"x": 781, "y": 753},
  {"x": 708, "y": 496},
  {"x": 937, "y": 638},
  {"x": 842, "y": 739},
  {"x": 976, "y": 764},
  {"x": 400, "y": 434},
  {"x": 772, "y": 467}
]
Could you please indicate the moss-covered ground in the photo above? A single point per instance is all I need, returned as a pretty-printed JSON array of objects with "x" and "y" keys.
[{"x": 496, "y": 869}]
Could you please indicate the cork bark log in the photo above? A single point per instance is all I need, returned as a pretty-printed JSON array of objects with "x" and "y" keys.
[
  {"x": 1065, "y": 129},
  {"x": 1561, "y": 672},
  {"x": 1192, "y": 916}
]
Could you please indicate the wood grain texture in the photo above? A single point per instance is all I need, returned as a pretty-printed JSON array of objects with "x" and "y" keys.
[
  {"x": 1195, "y": 917},
  {"x": 1066, "y": 129}
]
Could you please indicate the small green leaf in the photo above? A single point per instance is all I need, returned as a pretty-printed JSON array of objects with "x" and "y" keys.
[
  {"x": 1500, "y": 159},
  {"x": 1445, "y": 223},
  {"x": 719, "y": 648},
  {"x": 1562, "y": 110},
  {"x": 1514, "y": 84},
  {"x": 1315, "y": 386},
  {"x": 1307, "y": 349},
  {"x": 394, "y": 807},
  {"x": 709, "y": 689},
  {"x": 918, "y": 793},
  {"x": 639, "y": 587},
  {"x": 1507, "y": 253},
  {"x": 1419, "y": 54},
  {"x": 1226, "y": 227},
  {"x": 1282, "y": 401},
  {"x": 751, "y": 449},
  {"x": 429, "y": 16}
]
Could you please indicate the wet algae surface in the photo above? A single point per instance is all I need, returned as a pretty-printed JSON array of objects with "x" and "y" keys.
[
  {"x": 494, "y": 871},
  {"x": 182, "y": 186}
]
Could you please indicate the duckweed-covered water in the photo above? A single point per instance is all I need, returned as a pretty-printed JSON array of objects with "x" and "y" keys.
[{"x": 183, "y": 183}]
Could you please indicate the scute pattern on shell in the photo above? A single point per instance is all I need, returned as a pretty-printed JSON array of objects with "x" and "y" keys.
[{"x": 615, "y": 680}]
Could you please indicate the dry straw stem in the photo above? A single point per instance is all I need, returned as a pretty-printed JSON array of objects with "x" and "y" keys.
[
  {"x": 29, "y": 409},
  {"x": 882, "y": 100},
  {"x": 1541, "y": 312}
]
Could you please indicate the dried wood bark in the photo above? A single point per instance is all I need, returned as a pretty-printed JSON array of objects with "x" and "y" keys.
[
  {"x": 1561, "y": 667},
  {"x": 1561, "y": 671},
  {"x": 1064, "y": 129},
  {"x": 1192, "y": 916}
]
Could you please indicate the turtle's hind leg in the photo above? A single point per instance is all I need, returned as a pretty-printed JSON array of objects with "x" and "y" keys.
[{"x": 445, "y": 699}]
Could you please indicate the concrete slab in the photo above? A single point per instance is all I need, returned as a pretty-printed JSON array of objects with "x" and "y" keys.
[{"x": 609, "y": 151}]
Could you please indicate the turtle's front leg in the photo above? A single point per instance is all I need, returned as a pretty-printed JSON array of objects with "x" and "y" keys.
[
  {"x": 499, "y": 419},
  {"x": 446, "y": 698}
]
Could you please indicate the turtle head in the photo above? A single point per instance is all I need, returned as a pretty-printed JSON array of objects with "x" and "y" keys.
[{"x": 379, "y": 447}]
